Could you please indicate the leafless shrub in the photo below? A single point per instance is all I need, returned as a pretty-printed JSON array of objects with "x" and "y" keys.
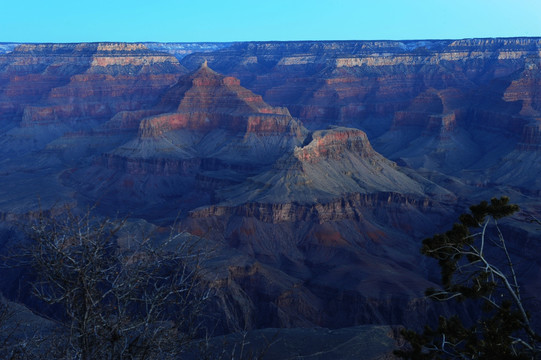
[{"x": 142, "y": 301}]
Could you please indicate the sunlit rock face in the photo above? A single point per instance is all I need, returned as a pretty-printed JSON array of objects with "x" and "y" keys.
[
  {"x": 206, "y": 100},
  {"x": 214, "y": 117}
]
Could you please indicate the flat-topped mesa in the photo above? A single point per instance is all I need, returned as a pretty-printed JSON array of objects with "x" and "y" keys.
[
  {"x": 206, "y": 100},
  {"x": 128, "y": 59},
  {"x": 332, "y": 143},
  {"x": 333, "y": 163}
]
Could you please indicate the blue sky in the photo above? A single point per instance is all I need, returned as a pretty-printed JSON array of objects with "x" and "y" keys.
[{"x": 244, "y": 20}]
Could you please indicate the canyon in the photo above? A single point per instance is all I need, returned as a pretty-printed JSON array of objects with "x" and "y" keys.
[{"x": 314, "y": 168}]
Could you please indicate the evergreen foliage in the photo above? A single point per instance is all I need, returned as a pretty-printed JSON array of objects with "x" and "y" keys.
[{"x": 476, "y": 266}]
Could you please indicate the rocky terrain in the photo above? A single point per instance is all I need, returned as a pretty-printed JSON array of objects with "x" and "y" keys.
[{"x": 316, "y": 168}]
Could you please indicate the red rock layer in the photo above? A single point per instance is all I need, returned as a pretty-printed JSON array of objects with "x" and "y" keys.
[
  {"x": 207, "y": 100},
  {"x": 71, "y": 82},
  {"x": 28, "y": 74},
  {"x": 331, "y": 144},
  {"x": 351, "y": 207},
  {"x": 350, "y": 82}
]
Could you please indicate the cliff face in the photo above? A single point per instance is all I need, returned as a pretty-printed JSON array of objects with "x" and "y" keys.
[
  {"x": 332, "y": 144},
  {"x": 351, "y": 253},
  {"x": 438, "y": 95},
  {"x": 76, "y": 82},
  {"x": 349, "y": 207},
  {"x": 203, "y": 108},
  {"x": 524, "y": 88},
  {"x": 331, "y": 164},
  {"x": 360, "y": 77}
]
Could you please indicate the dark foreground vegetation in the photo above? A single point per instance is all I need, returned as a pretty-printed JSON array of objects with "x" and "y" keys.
[
  {"x": 476, "y": 266},
  {"x": 108, "y": 296},
  {"x": 105, "y": 299}
]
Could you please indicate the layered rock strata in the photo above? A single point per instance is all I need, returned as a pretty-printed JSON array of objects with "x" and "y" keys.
[
  {"x": 314, "y": 228},
  {"x": 72, "y": 82}
]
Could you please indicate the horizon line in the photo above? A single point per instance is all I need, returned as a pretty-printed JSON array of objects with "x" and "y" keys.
[{"x": 269, "y": 41}]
